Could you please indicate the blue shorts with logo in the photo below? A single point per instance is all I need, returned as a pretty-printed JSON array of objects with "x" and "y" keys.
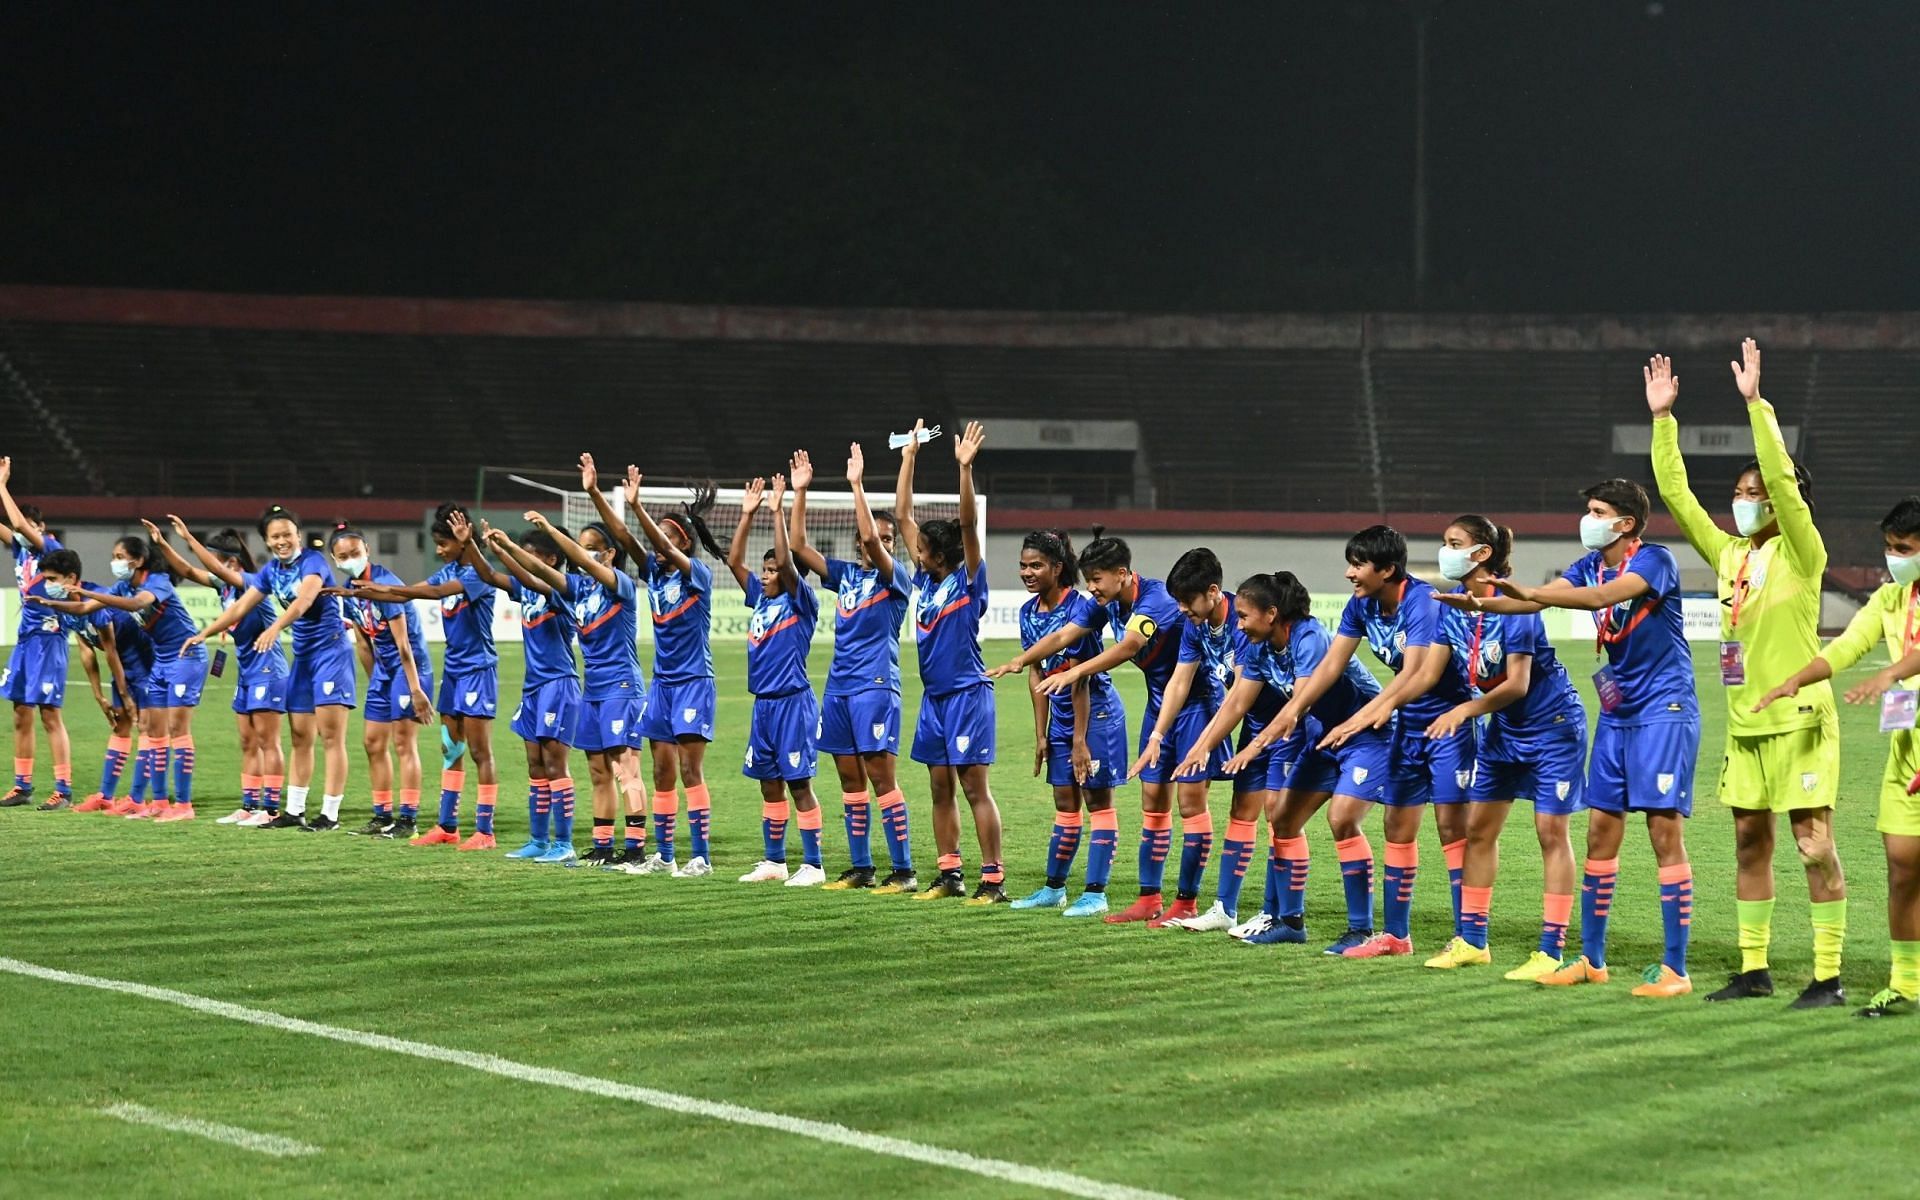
[
  {"x": 1187, "y": 728},
  {"x": 549, "y": 712},
  {"x": 474, "y": 694},
  {"x": 677, "y": 710},
  {"x": 957, "y": 729},
  {"x": 610, "y": 724},
  {"x": 1270, "y": 771},
  {"x": 1362, "y": 768},
  {"x": 36, "y": 674},
  {"x": 263, "y": 686},
  {"x": 176, "y": 682},
  {"x": 1548, "y": 767},
  {"x": 1644, "y": 768},
  {"x": 1430, "y": 771},
  {"x": 864, "y": 723},
  {"x": 321, "y": 678},
  {"x": 1106, "y": 747},
  {"x": 783, "y": 737},
  {"x": 389, "y": 698},
  {"x": 136, "y": 684}
]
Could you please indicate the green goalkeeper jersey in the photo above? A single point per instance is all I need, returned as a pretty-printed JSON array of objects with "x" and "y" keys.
[{"x": 1769, "y": 594}]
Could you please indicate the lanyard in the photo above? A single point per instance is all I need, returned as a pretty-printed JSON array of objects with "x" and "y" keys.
[
  {"x": 1604, "y": 632},
  {"x": 1473, "y": 654},
  {"x": 1912, "y": 634},
  {"x": 1740, "y": 589}
]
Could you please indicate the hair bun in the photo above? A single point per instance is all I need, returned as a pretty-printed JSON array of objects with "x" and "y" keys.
[{"x": 1099, "y": 531}]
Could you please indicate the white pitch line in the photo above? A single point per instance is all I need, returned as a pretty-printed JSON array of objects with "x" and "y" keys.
[
  {"x": 232, "y": 1135},
  {"x": 1042, "y": 1178}
]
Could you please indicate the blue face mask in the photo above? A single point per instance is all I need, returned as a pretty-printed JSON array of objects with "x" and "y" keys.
[
  {"x": 122, "y": 569},
  {"x": 56, "y": 591},
  {"x": 1903, "y": 570}
]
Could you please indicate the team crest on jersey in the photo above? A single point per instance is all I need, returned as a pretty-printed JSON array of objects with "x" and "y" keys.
[
  {"x": 617, "y": 724},
  {"x": 1561, "y": 789},
  {"x": 550, "y": 719},
  {"x": 1093, "y": 767},
  {"x": 689, "y": 714},
  {"x": 962, "y": 742},
  {"x": 179, "y": 689},
  {"x": 406, "y": 700},
  {"x": 1809, "y": 781},
  {"x": 260, "y": 691},
  {"x": 793, "y": 758},
  {"x": 1493, "y": 652},
  {"x": 46, "y": 689},
  {"x": 1462, "y": 778},
  {"x": 670, "y": 592},
  {"x": 327, "y": 688},
  {"x": 1360, "y": 774},
  {"x": 879, "y": 730},
  {"x": 1665, "y": 782},
  {"x": 473, "y": 696},
  {"x": 450, "y": 605}
]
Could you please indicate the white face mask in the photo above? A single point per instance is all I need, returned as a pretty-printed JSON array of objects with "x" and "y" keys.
[
  {"x": 1903, "y": 570},
  {"x": 122, "y": 569},
  {"x": 56, "y": 591},
  {"x": 1751, "y": 516},
  {"x": 352, "y": 566},
  {"x": 1455, "y": 563},
  {"x": 1597, "y": 533}
]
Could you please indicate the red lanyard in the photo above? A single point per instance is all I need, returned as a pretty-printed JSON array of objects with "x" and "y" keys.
[
  {"x": 1913, "y": 622},
  {"x": 1740, "y": 589},
  {"x": 1604, "y": 633},
  {"x": 1473, "y": 653}
]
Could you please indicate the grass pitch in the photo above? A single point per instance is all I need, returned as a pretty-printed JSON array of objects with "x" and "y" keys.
[{"x": 1171, "y": 1062}]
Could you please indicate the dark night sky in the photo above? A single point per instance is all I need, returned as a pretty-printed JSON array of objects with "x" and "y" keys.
[{"x": 1586, "y": 154}]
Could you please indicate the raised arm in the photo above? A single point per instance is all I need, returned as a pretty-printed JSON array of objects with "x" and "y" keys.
[
  {"x": 529, "y": 570},
  {"x": 17, "y": 522},
  {"x": 742, "y": 529},
  {"x": 181, "y": 568},
  {"x": 1670, "y": 468},
  {"x": 800, "y": 473},
  {"x": 576, "y": 554},
  {"x": 622, "y": 536},
  {"x": 1790, "y": 508},
  {"x": 482, "y": 565},
  {"x": 783, "y": 550},
  {"x": 909, "y": 529},
  {"x": 965, "y": 450},
  {"x": 864, "y": 525},
  {"x": 676, "y": 558}
]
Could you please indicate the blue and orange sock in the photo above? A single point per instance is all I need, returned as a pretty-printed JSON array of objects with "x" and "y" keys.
[
  {"x": 1456, "y": 856},
  {"x": 1356, "y": 879},
  {"x": 856, "y": 814},
  {"x": 634, "y": 835},
  {"x": 183, "y": 769},
  {"x": 119, "y": 749},
  {"x": 484, "y": 806},
  {"x": 809, "y": 820},
  {"x": 666, "y": 815},
  {"x": 1062, "y": 845},
  {"x": 1271, "y": 895},
  {"x": 1156, "y": 839},
  {"x": 1102, "y": 845},
  {"x": 774, "y": 815},
  {"x": 23, "y": 771},
  {"x": 162, "y": 762},
  {"x": 63, "y": 780},
  {"x": 1293, "y": 879},
  {"x": 699, "y": 817},
  {"x": 1556, "y": 910},
  {"x": 383, "y": 802},
  {"x": 603, "y": 833},
  {"x": 561, "y": 809},
  {"x": 453, "y": 781},
  {"x": 1676, "y": 913},
  {"x": 992, "y": 875},
  {"x": 142, "y": 771},
  {"x": 1196, "y": 848},
  {"x": 1403, "y": 865},
  {"x": 270, "y": 791},
  {"x": 1596, "y": 904},
  {"x": 539, "y": 809},
  {"x": 249, "y": 792},
  {"x": 1476, "y": 907},
  {"x": 894, "y": 824},
  {"x": 409, "y": 804},
  {"x": 1235, "y": 853}
]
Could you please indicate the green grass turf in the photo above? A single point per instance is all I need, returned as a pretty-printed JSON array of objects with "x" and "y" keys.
[{"x": 1177, "y": 1062}]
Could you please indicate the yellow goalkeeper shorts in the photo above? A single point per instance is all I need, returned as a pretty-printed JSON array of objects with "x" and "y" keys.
[
  {"x": 1778, "y": 772},
  {"x": 1899, "y": 812}
]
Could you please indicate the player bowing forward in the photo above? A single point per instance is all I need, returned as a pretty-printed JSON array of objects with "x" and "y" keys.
[
  {"x": 469, "y": 676},
  {"x": 1786, "y": 759},
  {"x": 860, "y": 710},
  {"x": 1648, "y": 737},
  {"x": 320, "y": 686},
  {"x": 260, "y": 693},
  {"x": 1080, "y": 737},
  {"x": 955, "y": 734},
  {"x": 1286, "y": 646},
  {"x": 783, "y": 737},
  {"x": 1892, "y": 614},
  {"x": 1396, "y": 615},
  {"x": 547, "y": 719},
  {"x": 1533, "y": 747}
]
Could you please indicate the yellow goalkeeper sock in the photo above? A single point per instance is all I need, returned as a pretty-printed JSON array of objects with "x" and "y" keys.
[
  {"x": 1829, "y": 935},
  {"x": 1756, "y": 931},
  {"x": 1906, "y": 969}
]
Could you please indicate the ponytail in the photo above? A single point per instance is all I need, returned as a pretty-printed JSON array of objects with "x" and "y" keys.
[
  {"x": 692, "y": 519},
  {"x": 232, "y": 543},
  {"x": 1498, "y": 539},
  {"x": 1105, "y": 553}
]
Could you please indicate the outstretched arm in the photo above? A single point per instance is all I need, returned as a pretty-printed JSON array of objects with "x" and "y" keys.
[
  {"x": 1130, "y": 644},
  {"x": 622, "y": 536},
  {"x": 17, "y": 522},
  {"x": 1239, "y": 702},
  {"x": 864, "y": 525},
  {"x": 737, "y": 549},
  {"x": 1519, "y": 668},
  {"x": 909, "y": 528},
  {"x": 965, "y": 451},
  {"x": 1172, "y": 700},
  {"x": 800, "y": 472},
  {"x": 676, "y": 558},
  {"x": 782, "y": 549},
  {"x": 576, "y": 554},
  {"x": 1670, "y": 468},
  {"x": 529, "y": 570},
  {"x": 230, "y": 616},
  {"x": 1561, "y": 594},
  {"x": 181, "y": 568}
]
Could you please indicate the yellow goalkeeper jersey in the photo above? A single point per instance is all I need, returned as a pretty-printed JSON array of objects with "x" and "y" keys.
[
  {"x": 1770, "y": 594},
  {"x": 1892, "y": 613}
]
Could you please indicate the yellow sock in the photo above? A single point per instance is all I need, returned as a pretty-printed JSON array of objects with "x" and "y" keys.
[
  {"x": 1756, "y": 930},
  {"x": 1829, "y": 935},
  {"x": 1906, "y": 969}
]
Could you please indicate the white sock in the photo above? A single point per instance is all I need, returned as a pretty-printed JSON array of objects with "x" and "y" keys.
[
  {"x": 330, "y": 807},
  {"x": 296, "y": 800}
]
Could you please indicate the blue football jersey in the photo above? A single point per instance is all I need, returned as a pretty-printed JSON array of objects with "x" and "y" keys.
[
  {"x": 682, "y": 603},
  {"x": 546, "y": 636},
  {"x": 319, "y": 628},
  {"x": 947, "y": 618},
  {"x": 609, "y": 627},
  {"x": 466, "y": 617},
  {"x": 1415, "y": 622},
  {"x": 779, "y": 638},
  {"x": 1036, "y": 624},
  {"x": 1149, "y": 610},
  {"x": 1645, "y": 639},
  {"x": 1282, "y": 667},
  {"x": 866, "y": 626},
  {"x": 1487, "y": 641}
]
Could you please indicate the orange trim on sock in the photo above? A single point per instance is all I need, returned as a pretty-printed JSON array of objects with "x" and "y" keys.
[
  {"x": 1067, "y": 820},
  {"x": 1678, "y": 873},
  {"x": 808, "y": 818},
  {"x": 949, "y": 862},
  {"x": 1239, "y": 831},
  {"x": 23, "y": 767},
  {"x": 276, "y": 781},
  {"x": 893, "y": 799},
  {"x": 1200, "y": 822},
  {"x": 1455, "y": 854},
  {"x": 774, "y": 810},
  {"x": 1403, "y": 854},
  {"x": 855, "y": 799},
  {"x": 63, "y": 772},
  {"x": 123, "y": 744},
  {"x": 1156, "y": 820},
  {"x": 181, "y": 741},
  {"x": 250, "y": 782},
  {"x": 383, "y": 799},
  {"x": 1104, "y": 818},
  {"x": 1602, "y": 866},
  {"x": 452, "y": 779},
  {"x": 410, "y": 797},
  {"x": 1293, "y": 847},
  {"x": 1476, "y": 900},
  {"x": 698, "y": 798},
  {"x": 1556, "y": 909},
  {"x": 665, "y": 803},
  {"x": 489, "y": 793},
  {"x": 1354, "y": 849}
]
